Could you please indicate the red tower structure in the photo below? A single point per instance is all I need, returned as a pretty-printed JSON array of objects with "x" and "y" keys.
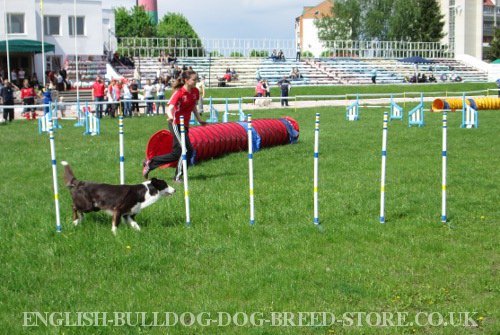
[{"x": 151, "y": 7}]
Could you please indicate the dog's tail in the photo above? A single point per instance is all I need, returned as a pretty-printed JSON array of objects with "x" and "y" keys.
[{"x": 69, "y": 177}]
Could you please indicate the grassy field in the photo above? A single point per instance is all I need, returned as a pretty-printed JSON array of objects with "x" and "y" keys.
[
  {"x": 411, "y": 264},
  {"x": 428, "y": 89}
]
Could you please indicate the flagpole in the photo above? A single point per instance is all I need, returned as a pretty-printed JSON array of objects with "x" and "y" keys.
[
  {"x": 76, "y": 55},
  {"x": 43, "y": 42},
  {"x": 6, "y": 39}
]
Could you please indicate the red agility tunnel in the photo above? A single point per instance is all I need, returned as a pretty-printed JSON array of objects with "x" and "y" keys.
[{"x": 222, "y": 138}]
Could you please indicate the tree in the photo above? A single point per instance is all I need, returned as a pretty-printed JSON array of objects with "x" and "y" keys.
[
  {"x": 494, "y": 51},
  {"x": 187, "y": 42},
  {"x": 133, "y": 23},
  {"x": 430, "y": 21},
  {"x": 375, "y": 19},
  {"x": 396, "y": 20},
  {"x": 175, "y": 25},
  {"x": 403, "y": 21},
  {"x": 342, "y": 24}
]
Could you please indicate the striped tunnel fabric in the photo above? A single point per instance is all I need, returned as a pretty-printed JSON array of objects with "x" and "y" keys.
[{"x": 216, "y": 140}]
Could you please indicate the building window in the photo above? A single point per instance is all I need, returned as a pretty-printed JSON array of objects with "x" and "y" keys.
[
  {"x": 15, "y": 23},
  {"x": 80, "y": 25},
  {"x": 451, "y": 26},
  {"x": 52, "y": 25}
]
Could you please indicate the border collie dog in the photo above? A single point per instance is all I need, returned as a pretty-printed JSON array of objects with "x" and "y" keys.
[{"x": 117, "y": 200}]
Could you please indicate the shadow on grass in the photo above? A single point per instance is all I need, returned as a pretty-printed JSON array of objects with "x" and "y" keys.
[{"x": 208, "y": 176}]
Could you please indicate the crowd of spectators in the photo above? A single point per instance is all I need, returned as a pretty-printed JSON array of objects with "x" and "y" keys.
[
  {"x": 277, "y": 55},
  {"x": 120, "y": 60},
  {"x": 430, "y": 78},
  {"x": 28, "y": 93},
  {"x": 167, "y": 59},
  {"x": 229, "y": 76}
]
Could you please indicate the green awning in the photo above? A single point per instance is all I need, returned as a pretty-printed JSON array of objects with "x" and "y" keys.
[
  {"x": 26, "y": 46},
  {"x": 496, "y": 61}
]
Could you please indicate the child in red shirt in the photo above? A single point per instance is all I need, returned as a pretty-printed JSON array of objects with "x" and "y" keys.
[
  {"x": 182, "y": 103},
  {"x": 28, "y": 97}
]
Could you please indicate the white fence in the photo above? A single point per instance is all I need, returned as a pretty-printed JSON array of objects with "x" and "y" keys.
[{"x": 190, "y": 47}]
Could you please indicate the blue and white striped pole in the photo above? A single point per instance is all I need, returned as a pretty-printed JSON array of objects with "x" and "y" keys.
[
  {"x": 250, "y": 169},
  {"x": 444, "y": 163},
  {"x": 54, "y": 174},
  {"x": 184, "y": 170},
  {"x": 382, "y": 178},
  {"x": 316, "y": 167},
  {"x": 122, "y": 150}
]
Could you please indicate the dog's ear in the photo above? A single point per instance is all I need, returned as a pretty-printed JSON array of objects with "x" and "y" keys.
[{"x": 159, "y": 184}]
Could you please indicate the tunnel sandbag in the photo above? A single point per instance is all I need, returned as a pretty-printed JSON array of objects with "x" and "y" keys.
[{"x": 216, "y": 140}]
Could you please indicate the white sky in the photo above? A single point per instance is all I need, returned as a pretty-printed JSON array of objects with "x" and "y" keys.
[{"x": 258, "y": 19}]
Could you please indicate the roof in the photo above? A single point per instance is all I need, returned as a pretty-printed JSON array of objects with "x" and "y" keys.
[
  {"x": 306, "y": 8},
  {"x": 488, "y": 3},
  {"x": 320, "y": 10},
  {"x": 26, "y": 46}
]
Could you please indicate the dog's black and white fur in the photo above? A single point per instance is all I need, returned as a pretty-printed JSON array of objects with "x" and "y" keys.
[{"x": 117, "y": 200}]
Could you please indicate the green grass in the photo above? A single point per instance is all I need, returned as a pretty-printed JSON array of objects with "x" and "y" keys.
[
  {"x": 452, "y": 88},
  {"x": 411, "y": 264}
]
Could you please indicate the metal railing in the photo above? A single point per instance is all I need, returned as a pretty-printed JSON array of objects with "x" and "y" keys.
[
  {"x": 386, "y": 49},
  {"x": 262, "y": 48}
]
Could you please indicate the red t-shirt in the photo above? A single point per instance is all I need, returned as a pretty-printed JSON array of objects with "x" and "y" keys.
[
  {"x": 27, "y": 92},
  {"x": 98, "y": 90},
  {"x": 184, "y": 103}
]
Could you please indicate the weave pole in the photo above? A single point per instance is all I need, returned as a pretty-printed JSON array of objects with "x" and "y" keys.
[
  {"x": 382, "y": 177},
  {"x": 444, "y": 163},
  {"x": 250, "y": 169},
  {"x": 316, "y": 167},
  {"x": 122, "y": 150},
  {"x": 54, "y": 174},
  {"x": 184, "y": 171}
]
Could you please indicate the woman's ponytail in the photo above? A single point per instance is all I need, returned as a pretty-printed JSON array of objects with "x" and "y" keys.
[{"x": 185, "y": 75}]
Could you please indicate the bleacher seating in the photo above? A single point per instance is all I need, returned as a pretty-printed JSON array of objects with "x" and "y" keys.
[
  {"x": 89, "y": 66},
  {"x": 391, "y": 71},
  {"x": 322, "y": 71}
]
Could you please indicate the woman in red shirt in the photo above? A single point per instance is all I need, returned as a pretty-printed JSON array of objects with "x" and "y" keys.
[
  {"x": 28, "y": 97},
  {"x": 182, "y": 102}
]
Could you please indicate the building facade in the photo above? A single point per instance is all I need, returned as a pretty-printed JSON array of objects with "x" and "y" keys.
[
  {"x": 491, "y": 18},
  {"x": 463, "y": 26},
  {"x": 306, "y": 32},
  {"x": 469, "y": 25},
  {"x": 92, "y": 35}
]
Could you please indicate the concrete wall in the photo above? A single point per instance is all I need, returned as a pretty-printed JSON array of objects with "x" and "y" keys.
[
  {"x": 310, "y": 40},
  {"x": 468, "y": 32}
]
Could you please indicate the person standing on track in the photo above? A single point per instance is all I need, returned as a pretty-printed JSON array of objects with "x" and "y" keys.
[{"x": 28, "y": 96}]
